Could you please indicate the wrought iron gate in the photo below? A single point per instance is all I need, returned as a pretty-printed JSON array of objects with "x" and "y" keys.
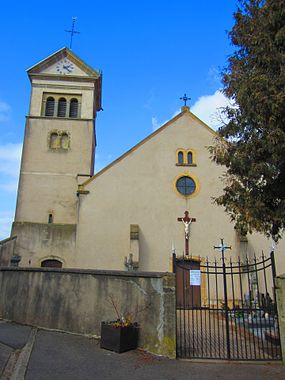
[{"x": 235, "y": 317}]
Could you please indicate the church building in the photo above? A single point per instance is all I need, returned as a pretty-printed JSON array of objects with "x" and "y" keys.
[{"x": 154, "y": 200}]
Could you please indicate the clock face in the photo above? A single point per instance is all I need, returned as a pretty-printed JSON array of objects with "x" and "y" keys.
[{"x": 64, "y": 67}]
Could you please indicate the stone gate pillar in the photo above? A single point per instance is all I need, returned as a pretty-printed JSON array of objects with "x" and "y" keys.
[{"x": 280, "y": 299}]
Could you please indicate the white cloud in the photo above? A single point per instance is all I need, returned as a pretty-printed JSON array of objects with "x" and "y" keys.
[
  {"x": 10, "y": 187},
  {"x": 214, "y": 76},
  {"x": 156, "y": 124},
  {"x": 6, "y": 219},
  {"x": 10, "y": 152},
  {"x": 208, "y": 109},
  {"x": 10, "y": 157},
  {"x": 4, "y": 111}
]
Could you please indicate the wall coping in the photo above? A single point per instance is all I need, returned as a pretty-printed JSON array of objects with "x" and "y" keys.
[
  {"x": 92, "y": 272},
  {"x": 8, "y": 239}
]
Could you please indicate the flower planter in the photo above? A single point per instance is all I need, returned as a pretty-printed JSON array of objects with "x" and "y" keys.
[{"x": 119, "y": 338}]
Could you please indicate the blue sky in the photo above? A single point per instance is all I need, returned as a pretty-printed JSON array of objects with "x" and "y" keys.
[{"x": 150, "y": 52}]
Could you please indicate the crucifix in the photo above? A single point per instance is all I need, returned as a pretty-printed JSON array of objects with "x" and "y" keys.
[
  {"x": 186, "y": 220},
  {"x": 72, "y": 31}
]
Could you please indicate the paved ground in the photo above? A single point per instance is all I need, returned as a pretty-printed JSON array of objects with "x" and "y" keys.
[{"x": 32, "y": 354}]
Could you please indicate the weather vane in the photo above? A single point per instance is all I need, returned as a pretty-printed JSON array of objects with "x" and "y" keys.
[
  {"x": 72, "y": 31},
  {"x": 185, "y": 98}
]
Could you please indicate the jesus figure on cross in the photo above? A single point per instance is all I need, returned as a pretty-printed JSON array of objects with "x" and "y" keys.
[
  {"x": 186, "y": 227},
  {"x": 186, "y": 220}
]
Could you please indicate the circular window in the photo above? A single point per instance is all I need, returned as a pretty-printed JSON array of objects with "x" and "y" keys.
[{"x": 185, "y": 185}]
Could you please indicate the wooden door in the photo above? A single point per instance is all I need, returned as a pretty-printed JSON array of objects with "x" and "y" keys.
[{"x": 187, "y": 295}]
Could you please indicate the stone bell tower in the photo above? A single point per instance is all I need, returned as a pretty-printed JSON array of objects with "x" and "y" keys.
[{"x": 58, "y": 151}]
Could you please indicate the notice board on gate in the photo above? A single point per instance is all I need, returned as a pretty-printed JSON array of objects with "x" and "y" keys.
[{"x": 195, "y": 277}]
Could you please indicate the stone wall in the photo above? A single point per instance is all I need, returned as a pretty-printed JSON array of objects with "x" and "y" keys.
[
  {"x": 7, "y": 250},
  {"x": 78, "y": 300},
  {"x": 280, "y": 298}
]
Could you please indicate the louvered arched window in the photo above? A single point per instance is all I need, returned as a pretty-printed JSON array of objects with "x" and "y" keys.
[
  {"x": 61, "y": 111},
  {"x": 73, "y": 109},
  {"x": 49, "y": 111}
]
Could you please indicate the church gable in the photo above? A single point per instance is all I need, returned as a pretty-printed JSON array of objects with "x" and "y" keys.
[
  {"x": 149, "y": 187},
  {"x": 185, "y": 133},
  {"x": 63, "y": 62}
]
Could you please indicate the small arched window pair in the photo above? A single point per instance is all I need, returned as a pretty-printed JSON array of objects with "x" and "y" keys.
[
  {"x": 59, "y": 140},
  {"x": 185, "y": 157}
]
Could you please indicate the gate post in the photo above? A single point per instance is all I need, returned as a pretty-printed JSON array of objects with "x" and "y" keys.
[
  {"x": 174, "y": 263},
  {"x": 226, "y": 307},
  {"x": 222, "y": 248},
  {"x": 280, "y": 300}
]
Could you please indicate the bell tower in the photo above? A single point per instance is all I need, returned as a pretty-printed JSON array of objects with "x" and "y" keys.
[{"x": 58, "y": 151}]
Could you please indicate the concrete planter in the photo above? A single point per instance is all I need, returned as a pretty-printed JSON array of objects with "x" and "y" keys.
[{"x": 118, "y": 338}]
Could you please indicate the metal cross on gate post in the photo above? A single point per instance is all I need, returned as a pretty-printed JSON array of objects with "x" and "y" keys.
[
  {"x": 186, "y": 221},
  {"x": 222, "y": 248}
]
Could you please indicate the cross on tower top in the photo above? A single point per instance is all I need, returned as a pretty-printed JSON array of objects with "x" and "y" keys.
[
  {"x": 72, "y": 31},
  {"x": 185, "y": 99}
]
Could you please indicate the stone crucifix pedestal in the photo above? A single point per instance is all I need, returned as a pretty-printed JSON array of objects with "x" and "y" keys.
[{"x": 186, "y": 220}]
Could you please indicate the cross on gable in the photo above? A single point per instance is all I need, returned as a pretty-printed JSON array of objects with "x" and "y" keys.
[{"x": 185, "y": 99}]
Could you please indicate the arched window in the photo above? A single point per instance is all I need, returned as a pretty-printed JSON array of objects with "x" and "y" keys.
[
  {"x": 73, "y": 110},
  {"x": 180, "y": 158},
  {"x": 54, "y": 141},
  {"x": 61, "y": 111},
  {"x": 64, "y": 141},
  {"x": 49, "y": 106},
  {"x": 189, "y": 158},
  {"x": 51, "y": 264}
]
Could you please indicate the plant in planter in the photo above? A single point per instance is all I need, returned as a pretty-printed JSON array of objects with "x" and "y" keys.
[{"x": 120, "y": 335}]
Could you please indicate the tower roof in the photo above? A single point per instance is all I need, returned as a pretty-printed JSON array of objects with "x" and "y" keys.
[
  {"x": 49, "y": 69},
  {"x": 41, "y": 66}
]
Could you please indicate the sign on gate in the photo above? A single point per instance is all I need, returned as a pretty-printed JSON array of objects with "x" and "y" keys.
[{"x": 195, "y": 277}]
